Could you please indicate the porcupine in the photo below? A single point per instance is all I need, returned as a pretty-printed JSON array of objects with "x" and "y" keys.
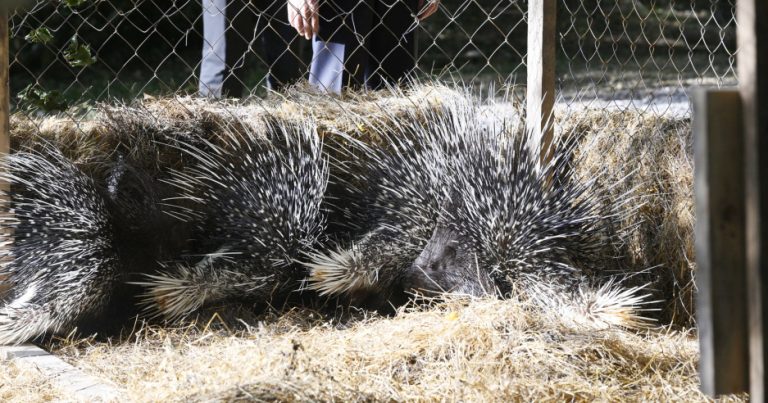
[
  {"x": 87, "y": 242},
  {"x": 62, "y": 265},
  {"x": 256, "y": 196},
  {"x": 80, "y": 229},
  {"x": 457, "y": 201}
]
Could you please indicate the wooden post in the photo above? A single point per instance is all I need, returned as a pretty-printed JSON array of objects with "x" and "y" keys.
[
  {"x": 721, "y": 308},
  {"x": 541, "y": 73},
  {"x": 5, "y": 129},
  {"x": 5, "y": 96},
  {"x": 752, "y": 64}
]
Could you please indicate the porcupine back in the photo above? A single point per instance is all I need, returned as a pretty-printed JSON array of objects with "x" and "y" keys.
[
  {"x": 256, "y": 195},
  {"x": 62, "y": 264}
]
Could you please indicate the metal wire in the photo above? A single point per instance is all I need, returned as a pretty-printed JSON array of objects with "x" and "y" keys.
[
  {"x": 644, "y": 55},
  {"x": 613, "y": 54}
]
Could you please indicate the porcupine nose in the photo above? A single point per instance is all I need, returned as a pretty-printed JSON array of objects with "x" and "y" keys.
[{"x": 441, "y": 259}]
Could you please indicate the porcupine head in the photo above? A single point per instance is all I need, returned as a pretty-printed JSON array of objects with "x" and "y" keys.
[{"x": 464, "y": 206}]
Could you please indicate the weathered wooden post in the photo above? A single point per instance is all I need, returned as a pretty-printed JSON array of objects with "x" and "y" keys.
[
  {"x": 5, "y": 111},
  {"x": 5, "y": 98},
  {"x": 721, "y": 301},
  {"x": 753, "y": 83},
  {"x": 541, "y": 73}
]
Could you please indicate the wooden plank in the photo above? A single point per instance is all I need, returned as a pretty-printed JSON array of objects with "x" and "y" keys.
[
  {"x": 752, "y": 64},
  {"x": 5, "y": 96},
  {"x": 68, "y": 379},
  {"x": 541, "y": 73},
  {"x": 721, "y": 304}
]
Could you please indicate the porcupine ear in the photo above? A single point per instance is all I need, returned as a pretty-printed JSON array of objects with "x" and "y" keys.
[{"x": 61, "y": 265}]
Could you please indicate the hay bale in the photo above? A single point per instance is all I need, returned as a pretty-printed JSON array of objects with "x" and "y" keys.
[
  {"x": 651, "y": 153},
  {"x": 651, "y": 157},
  {"x": 134, "y": 126}
]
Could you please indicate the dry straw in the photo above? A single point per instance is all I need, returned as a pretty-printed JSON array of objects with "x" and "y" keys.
[{"x": 480, "y": 350}]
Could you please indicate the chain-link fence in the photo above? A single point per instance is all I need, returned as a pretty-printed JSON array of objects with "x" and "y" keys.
[
  {"x": 644, "y": 55},
  {"x": 67, "y": 52},
  {"x": 612, "y": 53}
]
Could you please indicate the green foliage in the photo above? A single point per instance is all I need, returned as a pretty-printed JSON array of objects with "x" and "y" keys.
[
  {"x": 40, "y": 35},
  {"x": 35, "y": 98},
  {"x": 78, "y": 55},
  {"x": 74, "y": 3}
]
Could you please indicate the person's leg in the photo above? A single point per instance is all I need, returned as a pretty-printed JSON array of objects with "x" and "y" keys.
[
  {"x": 280, "y": 44},
  {"x": 339, "y": 50},
  {"x": 392, "y": 43},
  {"x": 239, "y": 36},
  {"x": 213, "y": 65}
]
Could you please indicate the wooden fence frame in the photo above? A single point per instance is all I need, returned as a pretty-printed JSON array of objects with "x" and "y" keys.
[
  {"x": 753, "y": 86},
  {"x": 721, "y": 303},
  {"x": 731, "y": 140},
  {"x": 540, "y": 74},
  {"x": 5, "y": 118}
]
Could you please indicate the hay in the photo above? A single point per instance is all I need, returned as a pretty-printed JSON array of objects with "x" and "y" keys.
[
  {"x": 651, "y": 153},
  {"x": 654, "y": 156},
  {"x": 140, "y": 129},
  {"x": 483, "y": 350},
  {"x": 22, "y": 385}
]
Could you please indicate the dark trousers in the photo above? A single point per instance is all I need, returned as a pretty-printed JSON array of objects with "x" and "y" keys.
[
  {"x": 366, "y": 43},
  {"x": 231, "y": 28}
]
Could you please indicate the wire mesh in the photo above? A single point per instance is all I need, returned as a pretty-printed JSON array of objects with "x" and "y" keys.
[
  {"x": 612, "y": 53},
  {"x": 67, "y": 52},
  {"x": 644, "y": 55}
]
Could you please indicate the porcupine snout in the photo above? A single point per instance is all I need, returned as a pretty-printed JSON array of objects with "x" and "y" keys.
[{"x": 445, "y": 265}]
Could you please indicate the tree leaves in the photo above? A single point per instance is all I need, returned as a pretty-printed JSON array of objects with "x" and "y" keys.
[
  {"x": 40, "y": 35},
  {"x": 74, "y": 3},
  {"x": 34, "y": 97},
  {"x": 78, "y": 55}
]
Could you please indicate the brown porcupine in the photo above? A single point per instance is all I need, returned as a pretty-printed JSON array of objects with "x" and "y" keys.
[{"x": 455, "y": 201}]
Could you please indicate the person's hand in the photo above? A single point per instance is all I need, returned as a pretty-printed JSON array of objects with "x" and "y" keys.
[
  {"x": 303, "y": 15},
  {"x": 427, "y": 8}
]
